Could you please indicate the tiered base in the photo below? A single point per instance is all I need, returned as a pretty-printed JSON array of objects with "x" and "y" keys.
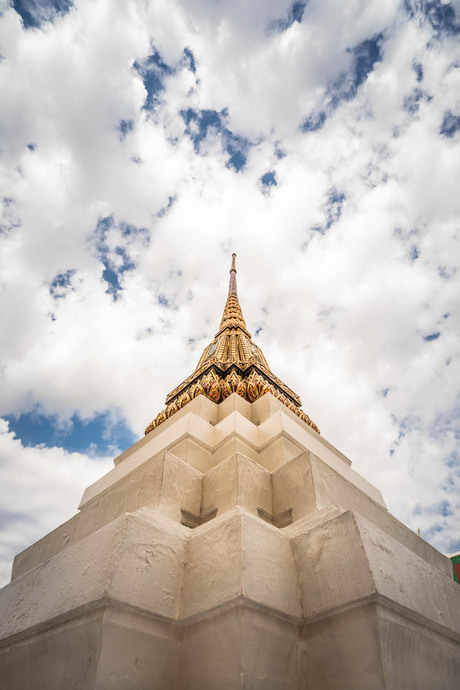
[{"x": 254, "y": 558}]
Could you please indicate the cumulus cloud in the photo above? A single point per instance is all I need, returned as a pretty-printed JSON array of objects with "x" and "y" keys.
[{"x": 141, "y": 143}]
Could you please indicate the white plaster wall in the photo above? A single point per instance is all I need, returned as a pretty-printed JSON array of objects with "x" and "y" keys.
[{"x": 123, "y": 596}]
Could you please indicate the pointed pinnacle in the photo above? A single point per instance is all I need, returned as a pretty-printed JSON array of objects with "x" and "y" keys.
[
  {"x": 232, "y": 316},
  {"x": 232, "y": 283}
]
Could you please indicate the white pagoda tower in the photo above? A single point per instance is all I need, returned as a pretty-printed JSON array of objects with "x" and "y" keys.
[{"x": 231, "y": 548}]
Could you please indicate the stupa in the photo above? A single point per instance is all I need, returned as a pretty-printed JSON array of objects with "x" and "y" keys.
[{"x": 232, "y": 547}]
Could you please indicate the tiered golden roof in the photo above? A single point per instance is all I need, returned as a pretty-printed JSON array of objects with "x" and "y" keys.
[{"x": 231, "y": 363}]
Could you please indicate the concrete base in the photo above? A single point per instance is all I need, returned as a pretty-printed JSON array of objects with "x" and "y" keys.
[{"x": 280, "y": 573}]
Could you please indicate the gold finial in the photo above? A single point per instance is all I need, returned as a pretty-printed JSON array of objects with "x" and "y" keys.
[
  {"x": 232, "y": 284},
  {"x": 232, "y": 316},
  {"x": 418, "y": 531}
]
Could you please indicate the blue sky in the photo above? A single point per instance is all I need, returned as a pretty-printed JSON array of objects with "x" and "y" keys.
[{"x": 142, "y": 143}]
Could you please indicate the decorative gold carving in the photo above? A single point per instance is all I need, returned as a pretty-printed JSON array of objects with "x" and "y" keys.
[
  {"x": 232, "y": 363},
  {"x": 218, "y": 389},
  {"x": 242, "y": 389}
]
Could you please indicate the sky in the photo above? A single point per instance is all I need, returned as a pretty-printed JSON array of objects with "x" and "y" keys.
[{"x": 141, "y": 143}]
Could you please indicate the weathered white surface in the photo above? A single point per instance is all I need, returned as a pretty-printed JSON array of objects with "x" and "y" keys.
[
  {"x": 269, "y": 573},
  {"x": 381, "y": 567},
  {"x": 415, "y": 656},
  {"x": 164, "y": 482},
  {"x": 148, "y": 572},
  {"x": 307, "y": 485},
  {"x": 187, "y": 425},
  {"x": 294, "y": 488},
  {"x": 64, "y": 656},
  {"x": 199, "y": 406},
  {"x": 371, "y": 647},
  {"x": 267, "y": 406},
  {"x": 278, "y": 450},
  {"x": 237, "y": 481},
  {"x": 405, "y": 579},
  {"x": 281, "y": 424},
  {"x": 236, "y": 424},
  {"x": 191, "y": 450},
  {"x": 123, "y": 596},
  {"x": 233, "y": 443},
  {"x": 75, "y": 579},
  {"x": 343, "y": 652},
  {"x": 323, "y": 556},
  {"x": 235, "y": 403},
  {"x": 239, "y": 648},
  {"x": 137, "y": 652},
  {"x": 105, "y": 649},
  {"x": 239, "y": 555},
  {"x": 120, "y": 561},
  {"x": 198, "y": 438}
]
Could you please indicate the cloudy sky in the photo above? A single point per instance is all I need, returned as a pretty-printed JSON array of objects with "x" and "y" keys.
[{"x": 141, "y": 142}]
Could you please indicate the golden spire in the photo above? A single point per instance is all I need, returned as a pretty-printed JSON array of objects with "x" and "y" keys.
[
  {"x": 232, "y": 316},
  {"x": 231, "y": 363},
  {"x": 232, "y": 283}
]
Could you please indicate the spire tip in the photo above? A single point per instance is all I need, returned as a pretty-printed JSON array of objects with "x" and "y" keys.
[{"x": 232, "y": 284}]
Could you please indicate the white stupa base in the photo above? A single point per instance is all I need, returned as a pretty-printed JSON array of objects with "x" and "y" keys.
[{"x": 275, "y": 568}]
